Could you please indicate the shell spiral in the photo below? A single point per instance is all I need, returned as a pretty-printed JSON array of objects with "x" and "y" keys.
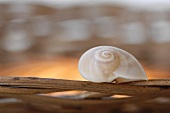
[
  {"x": 105, "y": 55},
  {"x": 107, "y": 60},
  {"x": 106, "y": 64}
]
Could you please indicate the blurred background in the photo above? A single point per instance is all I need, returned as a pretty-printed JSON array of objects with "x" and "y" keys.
[{"x": 45, "y": 38}]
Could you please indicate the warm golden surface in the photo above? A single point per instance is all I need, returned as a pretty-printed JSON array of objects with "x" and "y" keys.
[{"x": 61, "y": 68}]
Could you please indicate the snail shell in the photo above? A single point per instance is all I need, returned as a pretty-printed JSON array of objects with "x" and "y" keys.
[{"x": 107, "y": 63}]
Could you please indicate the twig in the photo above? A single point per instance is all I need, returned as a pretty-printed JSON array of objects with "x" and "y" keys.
[
  {"x": 44, "y": 85},
  {"x": 27, "y": 90},
  {"x": 152, "y": 82}
]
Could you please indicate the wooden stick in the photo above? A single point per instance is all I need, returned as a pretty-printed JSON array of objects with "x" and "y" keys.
[
  {"x": 27, "y": 90},
  {"x": 6, "y": 80},
  {"x": 45, "y": 85},
  {"x": 152, "y": 82}
]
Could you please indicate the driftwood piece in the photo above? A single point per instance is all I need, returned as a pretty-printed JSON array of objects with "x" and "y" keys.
[
  {"x": 152, "y": 82},
  {"x": 25, "y": 89},
  {"x": 31, "y": 85}
]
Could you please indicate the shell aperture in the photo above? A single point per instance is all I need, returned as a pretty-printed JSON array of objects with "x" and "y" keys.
[{"x": 108, "y": 64}]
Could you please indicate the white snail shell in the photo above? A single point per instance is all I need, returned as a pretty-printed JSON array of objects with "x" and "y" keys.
[{"x": 108, "y": 64}]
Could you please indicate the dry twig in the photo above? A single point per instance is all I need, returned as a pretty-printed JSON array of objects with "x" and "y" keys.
[{"x": 31, "y": 85}]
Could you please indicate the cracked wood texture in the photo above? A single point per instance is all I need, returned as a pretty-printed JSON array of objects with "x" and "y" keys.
[
  {"x": 151, "y": 96},
  {"x": 31, "y": 85}
]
